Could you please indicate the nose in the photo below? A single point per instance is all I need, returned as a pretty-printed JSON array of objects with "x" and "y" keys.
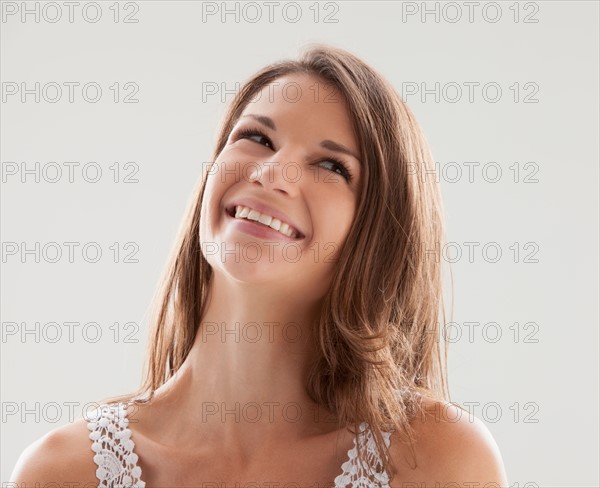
[{"x": 277, "y": 174}]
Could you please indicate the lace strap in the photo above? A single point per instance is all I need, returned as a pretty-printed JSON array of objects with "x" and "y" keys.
[
  {"x": 113, "y": 448},
  {"x": 364, "y": 475}
]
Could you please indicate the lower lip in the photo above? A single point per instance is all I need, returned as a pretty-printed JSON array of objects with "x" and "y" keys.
[{"x": 259, "y": 230}]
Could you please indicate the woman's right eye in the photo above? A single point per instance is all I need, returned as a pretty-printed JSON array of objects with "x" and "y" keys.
[{"x": 249, "y": 133}]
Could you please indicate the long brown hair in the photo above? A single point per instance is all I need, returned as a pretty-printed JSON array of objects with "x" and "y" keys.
[{"x": 378, "y": 338}]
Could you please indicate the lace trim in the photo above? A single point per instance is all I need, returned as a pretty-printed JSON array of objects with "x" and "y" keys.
[
  {"x": 113, "y": 448},
  {"x": 359, "y": 475}
]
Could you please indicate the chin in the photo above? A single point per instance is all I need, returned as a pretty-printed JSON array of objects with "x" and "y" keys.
[{"x": 245, "y": 271}]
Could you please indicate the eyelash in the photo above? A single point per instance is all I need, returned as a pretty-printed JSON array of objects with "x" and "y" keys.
[{"x": 243, "y": 133}]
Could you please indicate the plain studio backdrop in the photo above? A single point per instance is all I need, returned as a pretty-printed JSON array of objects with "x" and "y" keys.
[{"x": 110, "y": 109}]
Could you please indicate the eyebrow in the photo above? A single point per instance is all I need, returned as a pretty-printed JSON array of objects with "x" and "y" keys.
[{"x": 326, "y": 144}]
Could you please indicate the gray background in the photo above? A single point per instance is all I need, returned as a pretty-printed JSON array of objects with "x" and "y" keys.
[{"x": 536, "y": 390}]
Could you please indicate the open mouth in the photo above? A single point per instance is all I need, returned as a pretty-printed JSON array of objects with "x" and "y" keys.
[{"x": 273, "y": 227}]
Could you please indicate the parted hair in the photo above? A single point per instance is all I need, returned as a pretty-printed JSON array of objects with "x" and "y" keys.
[{"x": 378, "y": 340}]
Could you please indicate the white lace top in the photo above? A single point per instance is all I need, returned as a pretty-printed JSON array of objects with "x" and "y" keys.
[{"x": 118, "y": 468}]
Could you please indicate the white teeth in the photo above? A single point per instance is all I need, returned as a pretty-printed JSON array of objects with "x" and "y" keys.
[
  {"x": 265, "y": 219},
  {"x": 242, "y": 212},
  {"x": 253, "y": 215},
  {"x": 275, "y": 224}
]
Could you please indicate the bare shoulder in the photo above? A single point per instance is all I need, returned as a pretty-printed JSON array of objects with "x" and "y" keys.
[
  {"x": 451, "y": 446},
  {"x": 62, "y": 455}
]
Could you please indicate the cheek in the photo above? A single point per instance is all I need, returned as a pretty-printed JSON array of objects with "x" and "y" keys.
[
  {"x": 211, "y": 203},
  {"x": 232, "y": 166},
  {"x": 335, "y": 218}
]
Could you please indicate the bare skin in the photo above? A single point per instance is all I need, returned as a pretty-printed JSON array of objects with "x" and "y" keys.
[
  {"x": 448, "y": 453},
  {"x": 237, "y": 410}
]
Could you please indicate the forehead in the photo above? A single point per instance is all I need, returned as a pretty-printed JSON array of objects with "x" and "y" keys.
[
  {"x": 300, "y": 88},
  {"x": 305, "y": 102}
]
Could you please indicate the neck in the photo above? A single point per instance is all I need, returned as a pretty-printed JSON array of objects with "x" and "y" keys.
[{"x": 245, "y": 374}]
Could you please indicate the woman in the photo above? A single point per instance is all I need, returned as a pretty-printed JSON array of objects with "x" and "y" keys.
[{"x": 296, "y": 334}]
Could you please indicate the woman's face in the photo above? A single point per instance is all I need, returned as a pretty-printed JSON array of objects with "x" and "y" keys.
[{"x": 280, "y": 162}]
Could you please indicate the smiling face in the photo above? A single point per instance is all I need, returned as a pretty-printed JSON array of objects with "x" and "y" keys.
[{"x": 291, "y": 158}]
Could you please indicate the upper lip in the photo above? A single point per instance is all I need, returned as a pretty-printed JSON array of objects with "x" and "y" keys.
[{"x": 264, "y": 208}]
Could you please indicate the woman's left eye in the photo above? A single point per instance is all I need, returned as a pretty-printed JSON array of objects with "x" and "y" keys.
[{"x": 345, "y": 172}]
